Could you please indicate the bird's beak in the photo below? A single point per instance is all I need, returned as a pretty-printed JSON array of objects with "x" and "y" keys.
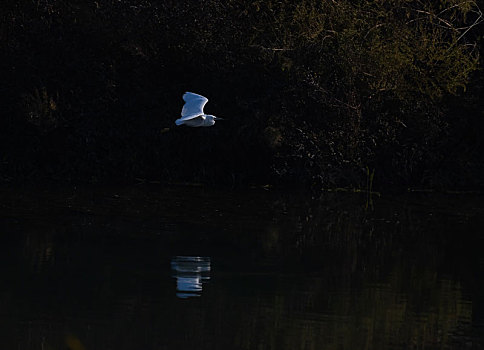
[{"x": 217, "y": 118}]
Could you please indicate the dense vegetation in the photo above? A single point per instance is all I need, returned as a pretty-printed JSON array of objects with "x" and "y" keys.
[{"x": 320, "y": 93}]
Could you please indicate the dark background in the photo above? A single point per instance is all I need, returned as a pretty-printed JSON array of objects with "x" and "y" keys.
[{"x": 318, "y": 94}]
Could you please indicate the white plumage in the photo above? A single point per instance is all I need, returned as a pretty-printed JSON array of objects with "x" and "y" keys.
[{"x": 192, "y": 113}]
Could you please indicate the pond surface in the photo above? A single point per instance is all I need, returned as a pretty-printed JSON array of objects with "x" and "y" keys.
[{"x": 196, "y": 268}]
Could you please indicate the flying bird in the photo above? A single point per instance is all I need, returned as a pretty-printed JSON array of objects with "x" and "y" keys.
[{"x": 192, "y": 112}]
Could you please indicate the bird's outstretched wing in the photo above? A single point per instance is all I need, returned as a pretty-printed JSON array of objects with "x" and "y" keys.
[{"x": 193, "y": 105}]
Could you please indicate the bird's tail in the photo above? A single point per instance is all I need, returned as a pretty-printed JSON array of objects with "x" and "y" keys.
[{"x": 178, "y": 122}]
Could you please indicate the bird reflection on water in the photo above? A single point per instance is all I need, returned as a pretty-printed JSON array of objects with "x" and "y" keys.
[
  {"x": 292, "y": 272},
  {"x": 190, "y": 273}
]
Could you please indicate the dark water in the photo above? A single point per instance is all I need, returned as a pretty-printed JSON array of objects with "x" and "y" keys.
[{"x": 194, "y": 268}]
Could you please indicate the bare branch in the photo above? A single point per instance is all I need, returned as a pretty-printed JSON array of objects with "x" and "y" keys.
[{"x": 270, "y": 48}]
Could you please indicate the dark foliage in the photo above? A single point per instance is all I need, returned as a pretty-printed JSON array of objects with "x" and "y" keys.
[{"x": 314, "y": 92}]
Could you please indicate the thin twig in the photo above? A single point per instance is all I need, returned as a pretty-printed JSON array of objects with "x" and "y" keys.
[{"x": 271, "y": 48}]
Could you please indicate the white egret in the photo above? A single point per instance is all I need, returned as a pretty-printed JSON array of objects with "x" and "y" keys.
[{"x": 192, "y": 112}]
